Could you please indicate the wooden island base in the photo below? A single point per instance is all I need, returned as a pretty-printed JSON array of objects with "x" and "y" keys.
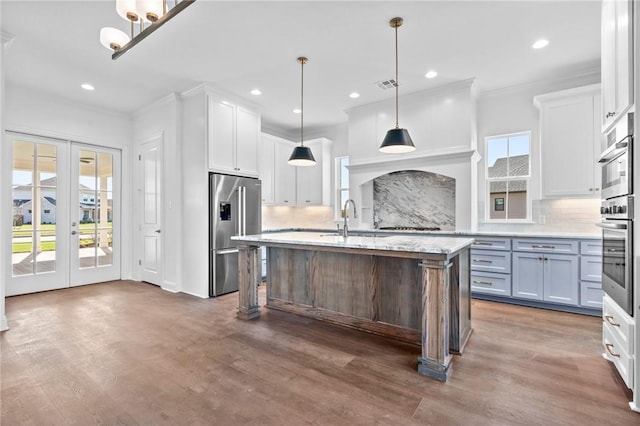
[{"x": 414, "y": 297}]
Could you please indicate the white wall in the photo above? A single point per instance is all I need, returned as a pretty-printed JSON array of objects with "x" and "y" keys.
[
  {"x": 442, "y": 124},
  {"x": 6, "y": 40},
  {"x": 195, "y": 195},
  {"x": 512, "y": 110},
  {"x": 162, "y": 120}
]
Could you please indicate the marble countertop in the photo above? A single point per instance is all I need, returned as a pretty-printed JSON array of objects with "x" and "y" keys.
[
  {"x": 424, "y": 243},
  {"x": 469, "y": 234}
]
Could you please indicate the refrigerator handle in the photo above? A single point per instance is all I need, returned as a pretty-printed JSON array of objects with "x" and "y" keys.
[
  {"x": 241, "y": 210},
  {"x": 244, "y": 210}
]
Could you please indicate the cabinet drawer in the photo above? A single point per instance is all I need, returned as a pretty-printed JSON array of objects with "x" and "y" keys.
[
  {"x": 490, "y": 261},
  {"x": 490, "y": 283},
  {"x": 492, "y": 243},
  {"x": 547, "y": 246},
  {"x": 619, "y": 324},
  {"x": 591, "y": 268},
  {"x": 613, "y": 352},
  {"x": 593, "y": 248},
  {"x": 591, "y": 294}
]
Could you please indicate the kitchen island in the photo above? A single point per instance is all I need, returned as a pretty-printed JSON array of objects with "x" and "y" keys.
[{"x": 407, "y": 287}]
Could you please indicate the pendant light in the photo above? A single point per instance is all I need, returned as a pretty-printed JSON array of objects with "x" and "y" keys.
[
  {"x": 301, "y": 155},
  {"x": 397, "y": 140}
]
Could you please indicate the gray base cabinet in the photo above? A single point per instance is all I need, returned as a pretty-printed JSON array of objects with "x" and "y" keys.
[{"x": 562, "y": 274}]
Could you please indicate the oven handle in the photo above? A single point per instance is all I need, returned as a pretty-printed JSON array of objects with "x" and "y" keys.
[
  {"x": 609, "y": 225},
  {"x": 614, "y": 150}
]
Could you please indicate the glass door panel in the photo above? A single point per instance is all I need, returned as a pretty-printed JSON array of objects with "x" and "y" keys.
[
  {"x": 92, "y": 227},
  {"x": 36, "y": 198}
]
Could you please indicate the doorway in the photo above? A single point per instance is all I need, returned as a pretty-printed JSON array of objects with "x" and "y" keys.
[{"x": 65, "y": 214}]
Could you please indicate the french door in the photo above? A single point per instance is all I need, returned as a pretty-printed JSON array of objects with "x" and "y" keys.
[{"x": 65, "y": 214}]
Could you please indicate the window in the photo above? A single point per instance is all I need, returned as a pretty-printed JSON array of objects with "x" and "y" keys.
[
  {"x": 47, "y": 211},
  {"x": 508, "y": 173},
  {"x": 342, "y": 183}
]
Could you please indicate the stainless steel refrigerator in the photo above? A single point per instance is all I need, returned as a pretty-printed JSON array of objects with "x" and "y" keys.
[{"x": 234, "y": 209}]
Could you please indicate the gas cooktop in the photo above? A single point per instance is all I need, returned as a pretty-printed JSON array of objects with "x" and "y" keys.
[{"x": 410, "y": 228}]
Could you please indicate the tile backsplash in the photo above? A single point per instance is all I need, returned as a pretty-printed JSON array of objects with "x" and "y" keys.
[
  {"x": 570, "y": 215},
  {"x": 283, "y": 217}
]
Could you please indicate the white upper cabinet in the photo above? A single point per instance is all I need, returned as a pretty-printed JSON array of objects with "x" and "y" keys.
[
  {"x": 267, "y": 168},
  {"x": 617, "y": 60},
  {"x": 234, "y": 138},
  {"x": 570, "y": 142},
  {"x": 284, "y": 175},
  {"x": 283, "y": 184},
  {"x": 313, "y": 183}
]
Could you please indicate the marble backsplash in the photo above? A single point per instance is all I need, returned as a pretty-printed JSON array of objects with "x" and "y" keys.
[{"x": 412, "y": 198}]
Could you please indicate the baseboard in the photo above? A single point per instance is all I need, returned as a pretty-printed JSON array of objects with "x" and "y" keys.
[{"x": 4, "y": 325}]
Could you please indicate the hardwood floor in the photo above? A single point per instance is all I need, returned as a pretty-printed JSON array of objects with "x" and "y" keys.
[{"x": 130, "y": 353}]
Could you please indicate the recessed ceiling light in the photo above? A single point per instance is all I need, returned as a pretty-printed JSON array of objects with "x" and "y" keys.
[
  {"x": 354, "y": 95},
  {"x": 296, "y": 111},
  {"x": 540, "y": 44},
  {"x": 256, "y": 92},
  {"x": 87, "y": 86},
  {"x": 431, "y": 74}
]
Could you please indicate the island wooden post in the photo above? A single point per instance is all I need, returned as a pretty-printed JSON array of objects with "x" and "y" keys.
[
  {"x": 248, "y": 278},
  {"x": 435, "y": 359}
]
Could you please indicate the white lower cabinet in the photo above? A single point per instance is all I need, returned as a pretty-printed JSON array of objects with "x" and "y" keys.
[{"x": 618, "y": 329}]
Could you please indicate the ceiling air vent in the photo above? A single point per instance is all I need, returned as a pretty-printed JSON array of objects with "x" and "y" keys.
[{"x": 387, "y": 84}]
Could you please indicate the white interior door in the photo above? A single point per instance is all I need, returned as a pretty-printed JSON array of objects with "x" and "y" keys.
[
  {"x": 94, "y": 217},
  {"x": 150, "y": 159},
  {"x": 39, "y": 229}
]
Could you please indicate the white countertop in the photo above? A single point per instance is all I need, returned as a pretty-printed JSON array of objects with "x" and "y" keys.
[
  {"x": 425, "y": 243},
  {"x": 468, "y": 234}
]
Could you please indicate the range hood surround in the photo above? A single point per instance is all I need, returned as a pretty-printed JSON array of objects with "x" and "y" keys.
[{"x": 457, "y": 163}]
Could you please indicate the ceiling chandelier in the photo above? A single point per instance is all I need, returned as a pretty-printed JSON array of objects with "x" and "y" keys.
[
  {"x": 151, "y": 14},
  {"x": 397, "y": 140},
  {"x": 301, "y": 155}
]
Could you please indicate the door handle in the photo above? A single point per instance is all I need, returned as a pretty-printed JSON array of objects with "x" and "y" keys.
[{"x": 157, "y": 231}]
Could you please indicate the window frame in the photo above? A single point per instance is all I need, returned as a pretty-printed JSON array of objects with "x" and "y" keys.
[{"x": 488, "y": 180}]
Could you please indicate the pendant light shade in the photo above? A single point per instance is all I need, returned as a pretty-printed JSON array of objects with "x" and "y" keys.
[
  {"x": 397, "y": 140},
  {"x": 302, "y": 155}
]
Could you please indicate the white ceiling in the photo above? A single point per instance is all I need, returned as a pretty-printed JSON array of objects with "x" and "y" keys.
[{"x": 241, "y": 45}]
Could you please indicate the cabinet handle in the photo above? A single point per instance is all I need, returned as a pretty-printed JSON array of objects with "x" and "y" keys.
[
  {"x": 610, "y": 114},
  {"x": 596, "y": 189},
  {"x": 609, "y": 346},
  {"x": 543, "y": 246},
  {"x": 481, "y": 243},
  {"x": 482, "y": 282},
  {"x": 609, "y": 319},
  {"x": 482, "y": 261},
  {"x": 590, "y": 189}
]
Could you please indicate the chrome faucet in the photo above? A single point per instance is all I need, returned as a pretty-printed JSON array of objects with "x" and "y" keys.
[{"x": 345, "y": 215}]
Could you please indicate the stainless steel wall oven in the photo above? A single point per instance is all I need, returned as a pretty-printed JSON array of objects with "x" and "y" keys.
[
  {"x": 617, "y": 214},
  {"x": 617, "y": 250}
]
